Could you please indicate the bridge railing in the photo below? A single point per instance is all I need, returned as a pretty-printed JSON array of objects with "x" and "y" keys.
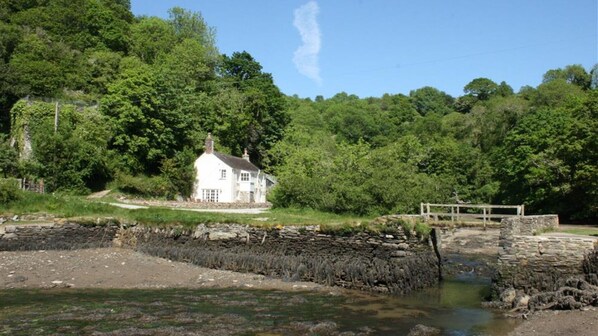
[{"x": 481, "y": 213}]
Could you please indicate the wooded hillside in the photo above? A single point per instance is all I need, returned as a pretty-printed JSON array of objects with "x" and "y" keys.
[{"x": 137, "y": 96}]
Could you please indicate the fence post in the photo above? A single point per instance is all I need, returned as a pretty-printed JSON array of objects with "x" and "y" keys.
[
  {"x": 484, "y": 218},
  {"x": 427, "y": 210},
  {"x": 452, "y": 214},
  {"x": 522, "y": 210}
]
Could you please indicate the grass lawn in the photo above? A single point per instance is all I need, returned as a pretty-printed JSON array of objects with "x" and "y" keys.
[
  {"x": 581, "y": 230},
  {"x": 73, "y": 206}
]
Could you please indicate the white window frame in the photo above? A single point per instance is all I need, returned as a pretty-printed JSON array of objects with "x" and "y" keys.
[
  {"x": 210, "y": 195},
  {"x": 223, "y": 174},
  {"x": 245, "y": 177}
]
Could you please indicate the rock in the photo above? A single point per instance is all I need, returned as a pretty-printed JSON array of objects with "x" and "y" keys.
[
  {"x": 508, "y": 295},
  {"x": 15, "y": 218},
  {"x": 10, "y": 229},
  {"x": 398, "y": 254},
  {"x": 403, "y": 246},
  {"x": 57, "y": 282},
  {"x": 423, "y": 330},
  {"x": 220, "y": 235},
  {"x": 323, "y": 328},
  {"x": 522, "y": 301}
]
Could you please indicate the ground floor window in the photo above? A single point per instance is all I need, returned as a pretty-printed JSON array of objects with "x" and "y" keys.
[{"x": 209, "y": 195}]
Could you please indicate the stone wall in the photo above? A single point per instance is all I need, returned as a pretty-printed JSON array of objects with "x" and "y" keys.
[
  {"x": 398, "y": 262},
  {"x": 395, "y": 261},
  {"x": 535, "y": 263},
  {"x": 60, "y": 235},
  {"x": 528, "y": 225}
]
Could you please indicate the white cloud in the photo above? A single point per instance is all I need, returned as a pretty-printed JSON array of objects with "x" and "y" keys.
[{"x": 306, "y": 56}]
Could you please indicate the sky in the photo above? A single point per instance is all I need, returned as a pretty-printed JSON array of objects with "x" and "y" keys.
[{"x": 372, "y": 47}]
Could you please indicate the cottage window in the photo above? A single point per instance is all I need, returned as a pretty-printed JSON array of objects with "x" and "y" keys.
[
  {"x": 210, "y": 195},
  {"x": 245, "y": 177},
  {"x": 223, "y": 174}
]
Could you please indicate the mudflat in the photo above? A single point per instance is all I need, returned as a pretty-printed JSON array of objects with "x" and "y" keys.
[
  {"x": 560, "y": 323},
  {"x": 125, "y": 268}
]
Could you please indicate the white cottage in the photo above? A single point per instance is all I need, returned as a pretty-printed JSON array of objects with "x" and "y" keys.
[{"x": 224, "y": 178}]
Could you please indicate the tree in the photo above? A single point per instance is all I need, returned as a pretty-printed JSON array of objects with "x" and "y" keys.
[
  {"x": 429, "y": 100},
  {"x": 572, "y": 74},
  {"x": 8, "y": 158},
  {"x": 263, "y": 106},
  {"x": 481, "y": 88},
  {"x": 556, "y": 93},
  {"x": 150, "y": 38},
  {"x": 594, "y": 75},
  {"x": 546, "y": 163},
  {"x": 140, "y": 134},
  {"x": 41, "y": 67}
]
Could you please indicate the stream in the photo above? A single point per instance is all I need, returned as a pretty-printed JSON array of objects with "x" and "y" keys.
[{"x": 453, "y": 307}]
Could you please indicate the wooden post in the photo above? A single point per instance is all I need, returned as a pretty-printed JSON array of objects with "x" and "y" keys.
[
  {"x": 421, "y": 209},
  {"x": 428, "y": 210},
  {"x": 452, "y": 214},
  {"x": 522, "y": 210},
  {"x": 56, "y": 112},
  {"x": 458, "y": 219},
  {"x": 484, "y": 218}
]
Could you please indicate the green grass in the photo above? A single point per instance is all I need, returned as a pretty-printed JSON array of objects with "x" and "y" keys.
[
  {"x": 72, "y": 206},
  {"x": 88, "y": 210},
  {"x": 585, "y": 231}
]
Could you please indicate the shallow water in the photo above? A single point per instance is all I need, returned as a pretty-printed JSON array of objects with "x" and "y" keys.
[{"x": 453, "y": 307}]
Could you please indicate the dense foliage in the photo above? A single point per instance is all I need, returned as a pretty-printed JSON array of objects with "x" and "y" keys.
[
  {"x": 538, "y": 147},
  {"x": 137, "y": 95}
]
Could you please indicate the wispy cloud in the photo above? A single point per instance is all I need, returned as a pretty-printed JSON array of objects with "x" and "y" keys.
[{"x": 306, "y": 56}]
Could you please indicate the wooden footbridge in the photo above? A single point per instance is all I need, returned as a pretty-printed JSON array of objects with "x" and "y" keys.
[{"x": 478, "y": 213}]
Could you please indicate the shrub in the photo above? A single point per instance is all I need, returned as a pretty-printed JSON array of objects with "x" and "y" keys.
[
  {"x": 142, "y": 185},
  {"x": 9, "y": 191}
]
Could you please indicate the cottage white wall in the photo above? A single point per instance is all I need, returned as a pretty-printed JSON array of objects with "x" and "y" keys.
[
  {"x": 208, "y": 176},
  {"x": 231, "y": 189}
]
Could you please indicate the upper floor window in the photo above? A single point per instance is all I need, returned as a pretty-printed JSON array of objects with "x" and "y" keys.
[
  {"x": 244, "y": 176},
  {"x": 222, "y": 174}
]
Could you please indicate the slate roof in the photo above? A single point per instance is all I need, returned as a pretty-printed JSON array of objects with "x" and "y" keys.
[{"x": 236, "y": 162}]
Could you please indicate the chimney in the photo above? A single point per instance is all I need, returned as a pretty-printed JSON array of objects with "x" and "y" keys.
[
  {"x": 209, "y": 147},
  {"x": 245, "y": 155}
]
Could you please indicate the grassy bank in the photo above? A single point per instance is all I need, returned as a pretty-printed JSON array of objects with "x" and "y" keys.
[{"x": 73, "y": 206}]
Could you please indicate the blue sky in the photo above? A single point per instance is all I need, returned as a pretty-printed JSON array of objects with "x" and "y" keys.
[{"x": 372, "y": 47}]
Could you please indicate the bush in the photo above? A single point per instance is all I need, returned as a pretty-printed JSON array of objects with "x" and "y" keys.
[
  {"x": 9, "y": 191},
  {"x": 142, "y": 185}
]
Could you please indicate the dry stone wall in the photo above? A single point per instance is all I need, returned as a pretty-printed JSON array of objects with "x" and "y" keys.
[
  {"x": 397, "y": 262},
  {"x": 60, "y": 235},
  {"x": 535, "y": 263}
]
